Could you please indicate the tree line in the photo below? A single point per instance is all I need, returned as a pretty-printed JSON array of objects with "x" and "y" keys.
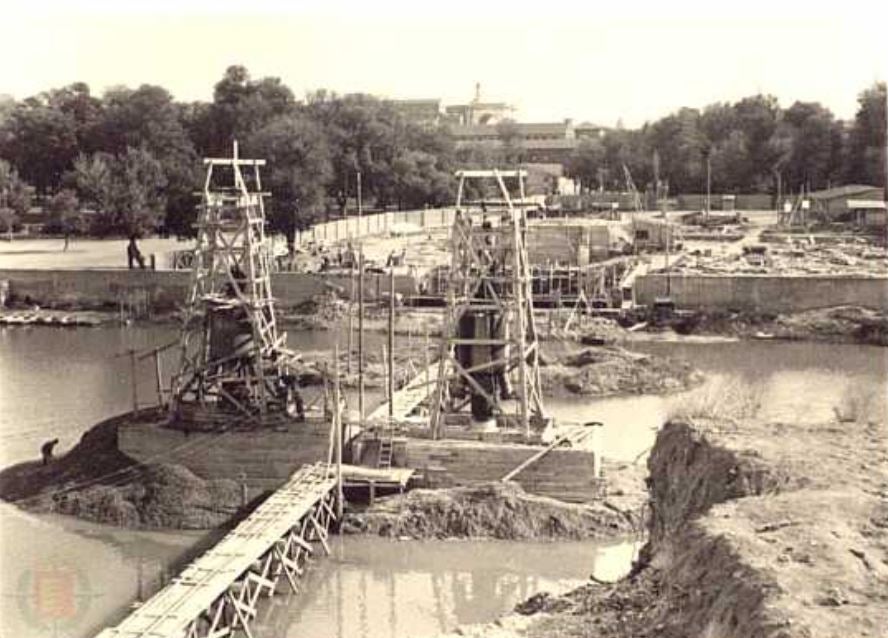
[
  {"x": 751, "y": 146},
  {"x": 132, "y": 156}
]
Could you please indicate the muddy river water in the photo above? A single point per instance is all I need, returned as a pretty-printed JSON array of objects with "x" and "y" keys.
[{"x": 63, "y": 577}]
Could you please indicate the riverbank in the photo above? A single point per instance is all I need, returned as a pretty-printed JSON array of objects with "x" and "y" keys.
[
  {"x": 838, "y": 324},
  {"x": 751, "y": 534}
]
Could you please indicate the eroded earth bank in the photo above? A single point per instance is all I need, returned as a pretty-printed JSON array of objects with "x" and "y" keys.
[{"x": 757, "y": 530}]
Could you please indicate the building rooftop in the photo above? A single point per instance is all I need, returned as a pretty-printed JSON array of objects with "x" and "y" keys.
[{"x": 841, "y": 191}]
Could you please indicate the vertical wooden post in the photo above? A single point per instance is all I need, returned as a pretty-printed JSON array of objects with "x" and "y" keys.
[
  {"x": 351, "y": 317},
  {"x": 425, "y": 349},
  {"x": 385, "y": 370},
  {"x": 337, "y": 423},
  {"x": 361, "y": 334},
  {"x": 134, "y": 380},
  {"x": 391, "y": 345},
  {"x": 158, "y": 377}
]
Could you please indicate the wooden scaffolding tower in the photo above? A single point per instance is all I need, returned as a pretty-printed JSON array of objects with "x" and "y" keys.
[
  {"x": 233, "y": 362},
  {"x": 489, "y": 357}
]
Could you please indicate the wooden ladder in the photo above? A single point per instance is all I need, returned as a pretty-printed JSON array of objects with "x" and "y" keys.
[{"x": 386, "y": 448}]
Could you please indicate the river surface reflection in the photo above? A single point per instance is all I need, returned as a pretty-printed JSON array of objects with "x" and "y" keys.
[{"x": 378, "y": 588}]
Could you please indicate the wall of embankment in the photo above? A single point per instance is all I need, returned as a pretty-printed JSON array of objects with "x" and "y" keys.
[
  {"x": 764, "y": 293},
  {"x": 708, "y": 588},
  {"x": 165, "y": 289}
]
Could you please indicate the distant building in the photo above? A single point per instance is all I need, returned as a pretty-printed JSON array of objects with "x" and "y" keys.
[
  {"x": 542, "y": 142},
  {"x": 588, "y": 130},
  {"x": 477, "y": 112},
  {"x": 423, "y": 111},
  {"x": 835, "y": 200},
  {"x": 478, "y": 123},
  {"x": 868, "y": 212}
]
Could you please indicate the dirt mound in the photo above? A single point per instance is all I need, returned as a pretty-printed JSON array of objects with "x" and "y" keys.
[
  {"x": 159, "y": 496},
  {"x": 492, "y": 510},
  {"x": 95, "y": 455},
  {"x": 612, "y": 370},
  {"x": 97, "y": 482}
]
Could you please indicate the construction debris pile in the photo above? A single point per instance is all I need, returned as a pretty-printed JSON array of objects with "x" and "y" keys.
[{"x": 800, "y": 257}]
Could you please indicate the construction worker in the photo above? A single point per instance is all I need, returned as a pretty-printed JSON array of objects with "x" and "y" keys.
[{"x": 46, "y": 450}]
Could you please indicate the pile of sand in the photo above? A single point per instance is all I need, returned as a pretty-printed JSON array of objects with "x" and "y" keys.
[
  {"x": 612, "y": 370},
  {"x": 97, "y": 482},
  {"x": 492, "y": 510}
]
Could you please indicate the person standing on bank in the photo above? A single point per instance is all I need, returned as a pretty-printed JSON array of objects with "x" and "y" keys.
[{"x": 46, "y": 450}]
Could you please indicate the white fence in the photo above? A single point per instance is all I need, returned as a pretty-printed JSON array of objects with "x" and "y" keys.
[{"x": 399, "y": 222}]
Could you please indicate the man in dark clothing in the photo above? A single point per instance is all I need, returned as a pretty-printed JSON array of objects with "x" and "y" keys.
[
  {"x": 46, "y": 450},
  {"x": 133, "y": 254}
]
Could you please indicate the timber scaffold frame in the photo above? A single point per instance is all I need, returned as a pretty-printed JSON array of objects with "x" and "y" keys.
[
  {"x": 219, "y": 593},
  {"x": 230, "y": 289},
  {"x": 490, "y": 272}
]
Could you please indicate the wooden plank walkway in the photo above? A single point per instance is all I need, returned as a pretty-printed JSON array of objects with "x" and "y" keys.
[
  {"x": 407, "y": 398},
  {"x": 217, "y": 594}
]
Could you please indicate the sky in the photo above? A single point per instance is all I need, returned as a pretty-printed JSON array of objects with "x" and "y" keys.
[{"x": 551, "y": 59}]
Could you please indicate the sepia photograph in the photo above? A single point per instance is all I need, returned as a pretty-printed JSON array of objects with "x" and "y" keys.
[{"x": 391, "y": 319}]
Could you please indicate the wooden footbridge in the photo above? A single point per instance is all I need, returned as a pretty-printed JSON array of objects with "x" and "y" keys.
[
  {"x": 405, "y": 400},
  {"x": 217, "y": 595}
]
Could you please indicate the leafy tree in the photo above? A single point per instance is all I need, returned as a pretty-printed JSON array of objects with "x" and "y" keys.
[
  {"x": 364, "y": 134},
  {"x": 865, "y": 160},
  {"x": 241, "y": 107},
  {"x": 299, "y": 170},
  {"x": 93, "y": 180},
  {"x": 587, "y": 163},
  {"x": 680, "y": 144},
  {"x": 62, "y": 209},
  {"x": 40, "y": 141},
  {"x": 509, "y": 137},
  {"x": 15, "y": 193},
  {"x": 84, "y": 110},
  {"x": 15, "y": 197},
  {"x": 139, "y": 193},
  {"x": 128, "y": 190},
  {"x": 814, "y": 160},
  {"x": 420, "y": 180},
  {"x": 147, "y": 118}
]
